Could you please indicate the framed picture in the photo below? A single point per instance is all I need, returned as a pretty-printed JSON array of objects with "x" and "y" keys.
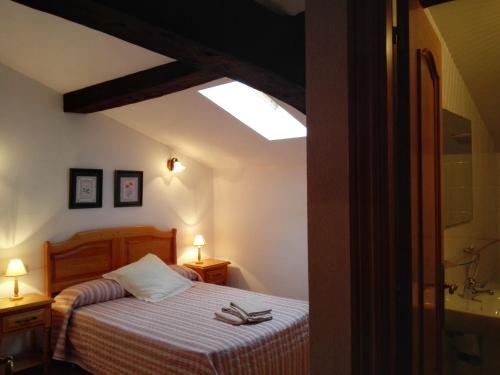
[
  {"x": 85, "y": 188},
  {"x": 128, "y": 188}
]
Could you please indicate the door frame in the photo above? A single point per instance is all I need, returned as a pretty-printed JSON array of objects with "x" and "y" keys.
[
  {"x": 360, "y": 187},
  {"x": 352, "y": 197}
]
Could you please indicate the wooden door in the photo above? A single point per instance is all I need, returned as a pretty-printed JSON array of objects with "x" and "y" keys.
[
  {"x": 350, "y": 146},
  {"x": 425, "y": 118}
]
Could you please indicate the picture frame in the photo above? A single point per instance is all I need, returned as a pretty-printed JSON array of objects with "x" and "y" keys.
[
  {"x": 128, "y": 188},
  {"x": 85, "y": 188}
]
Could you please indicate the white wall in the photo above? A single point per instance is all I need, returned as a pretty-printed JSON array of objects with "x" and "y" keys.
[
  {"x": 39, "y": 143},
  {"x": 261, "y": 227}
]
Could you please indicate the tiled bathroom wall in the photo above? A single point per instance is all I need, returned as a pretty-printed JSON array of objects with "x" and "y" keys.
[
  {"x": 467, "y": 352},
  {"x": 485, "y": 223}
]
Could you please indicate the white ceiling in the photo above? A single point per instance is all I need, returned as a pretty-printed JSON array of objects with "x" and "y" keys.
[
  {"x": 66, "y": 56},
  {"x": 63, "y": 55},
  {"x": 200, "y": 129},
  {"x": 471, "y": 30}
]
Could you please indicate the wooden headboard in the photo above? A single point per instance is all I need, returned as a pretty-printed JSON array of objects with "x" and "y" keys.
[{"x": 87, "y": 255}]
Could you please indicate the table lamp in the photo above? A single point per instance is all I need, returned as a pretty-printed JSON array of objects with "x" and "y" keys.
[
  {"x": 15, "y": 269},
  {"x": 199, "y": 241}
]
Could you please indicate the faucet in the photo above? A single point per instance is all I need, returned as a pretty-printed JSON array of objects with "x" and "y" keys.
[
  {"x": 8, "y": 365},
  {"x": 471, "y": 289}
]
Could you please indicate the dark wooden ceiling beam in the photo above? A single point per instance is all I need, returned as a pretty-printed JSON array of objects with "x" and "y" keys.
[
  {"x": 147, "y": 84},
  {"x": 428, "y": 3},
  {"x": 253, "y": 55},
  {"x": 242, "y": 29}
]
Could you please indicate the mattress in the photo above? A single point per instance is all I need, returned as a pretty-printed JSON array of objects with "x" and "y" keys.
[{"x": 179, "y": 335}]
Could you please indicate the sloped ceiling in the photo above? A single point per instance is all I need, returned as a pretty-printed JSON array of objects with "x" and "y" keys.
[
  {"x": 63, "y": 55},
  {"x": 66, "y": 56},
  {"x": 471, "y": 30},
  {"x": 208, "y": 134}
]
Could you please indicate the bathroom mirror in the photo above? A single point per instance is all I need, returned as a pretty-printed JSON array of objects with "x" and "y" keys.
[{"x": 457, "y": 169}]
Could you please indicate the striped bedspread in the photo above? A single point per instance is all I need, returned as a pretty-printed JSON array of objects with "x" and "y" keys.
[{"x": 179, "y": 335}]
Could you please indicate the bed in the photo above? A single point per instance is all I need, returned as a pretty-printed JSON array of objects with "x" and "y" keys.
[{"x": 179, "y": 335}]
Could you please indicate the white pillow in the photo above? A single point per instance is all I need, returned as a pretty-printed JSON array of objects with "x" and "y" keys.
[{"x": 149, "y": 279}]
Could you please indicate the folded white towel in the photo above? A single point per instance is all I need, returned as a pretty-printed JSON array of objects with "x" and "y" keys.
[
  {"x": 260, "y": 318},
  {"x": 235, "y": 316},
  {"x": 229, "y": 318},
  {"x": 247, "y": 318},
  {"x": 234, "y": 311},
  {"x": 252, "y": 307}
]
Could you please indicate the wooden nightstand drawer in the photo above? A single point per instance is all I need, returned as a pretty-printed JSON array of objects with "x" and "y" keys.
[
  {"x": 23, "y": 320},
  {"x": 213, "y": 271},
  {"x": 215, "y": 276},
  {"x": 22, "y": 316}
]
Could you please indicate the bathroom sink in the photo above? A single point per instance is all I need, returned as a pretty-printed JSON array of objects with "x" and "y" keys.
[{"x": 478, "y": 316}]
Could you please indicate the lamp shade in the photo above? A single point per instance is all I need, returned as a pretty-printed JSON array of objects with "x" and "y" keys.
[
  {"x": 15, "y": 268},
  {"x": 178, "y": 167},
  {"x": 174, "y": 165},
  {"x": 199, "y": 240}
]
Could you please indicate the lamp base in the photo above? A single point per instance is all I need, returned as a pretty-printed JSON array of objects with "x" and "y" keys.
[
  {"x": 199, "y": 256},
  {"x": 16, "y": 296}
]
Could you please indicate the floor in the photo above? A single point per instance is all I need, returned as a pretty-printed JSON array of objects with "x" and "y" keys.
[{"x": 58, "y": 368}]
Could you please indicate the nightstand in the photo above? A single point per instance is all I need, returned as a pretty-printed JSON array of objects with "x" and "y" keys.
[
  {"x": 213, "y": 271},
  {"x": 26, "y": 315}
]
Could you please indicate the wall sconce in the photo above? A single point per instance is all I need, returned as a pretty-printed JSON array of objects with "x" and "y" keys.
[{"x": 174, "y": 165}]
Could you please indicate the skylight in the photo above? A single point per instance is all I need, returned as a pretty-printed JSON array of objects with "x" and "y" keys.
[{"x": 256, "y": 110}]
